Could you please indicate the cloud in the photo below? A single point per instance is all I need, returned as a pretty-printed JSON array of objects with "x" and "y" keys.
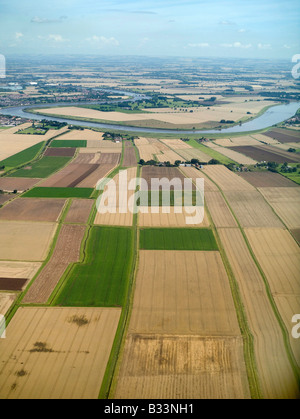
[
  {"x": 38, "y": 19},
  {"x": 53, "y": 38},
  {"x": 263, "y": 46},
  {"x": 227, "y": 23},
  {"x": 199, "y": 45},
  {"x": 19, "y": 35},
  {"x": 102, "y": 40},
  {"x": 236, "y": 45},
  {"x": 287, "y": 46},
  {"x": 242, "y": 30},
  {"x": 139, "y": 12}
]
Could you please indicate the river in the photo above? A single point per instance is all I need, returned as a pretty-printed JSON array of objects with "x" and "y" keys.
[{"x": 271, "y": 116}]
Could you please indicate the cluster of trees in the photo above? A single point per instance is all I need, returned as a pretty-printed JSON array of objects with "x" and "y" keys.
[{"x": 176, "y": 163}]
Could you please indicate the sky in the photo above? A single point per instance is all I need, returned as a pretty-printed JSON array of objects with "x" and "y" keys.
[{"x": 186, "y": 28}]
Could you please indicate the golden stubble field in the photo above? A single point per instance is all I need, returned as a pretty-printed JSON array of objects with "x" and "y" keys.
[
  {"x": 276, "y": 376},
  {"x": 183, "y": 339},
  {"x": 56, "y": 353}
]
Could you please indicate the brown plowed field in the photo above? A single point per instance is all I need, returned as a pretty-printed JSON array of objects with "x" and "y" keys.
[
  {"x": 182, "y": 367},
  {"x": 267, "y": 179},
  {"x": 25, "y": 241},
  {"x": 20, "y": 184},
  {"x": 56, "y": 353},
  {"x": 4, "y": 198},
  {"x": 70, "y": 176},
  {"x": 251, "y": 209},
  {"x": 261, "y": 153},
  {"x": 12, "y": 284},
  {"x": 67, "y": 250},
  {"x": 276, "y": 376},
  {"x": 286, "y": 204},
  {"x": 79, "y": 211},
  {"x": 183, "y": 292},
  {"x": 56, "y": 152},
  {"x": 296, "y": 234},
  {"x": 155, "y": 172},
  {"x": 129, "y": 158},
  {"x": 34, "y": 209},
  {"x": 88, "y": 158},
  {"x": 91, "y": 180},
  {"x": 110, "y": 158},
  {"x": 284, "y": 137},
  {"x": 219, "y": 211}
]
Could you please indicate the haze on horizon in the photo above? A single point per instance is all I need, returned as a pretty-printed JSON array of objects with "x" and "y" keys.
[{"x": 188, "y": 28}]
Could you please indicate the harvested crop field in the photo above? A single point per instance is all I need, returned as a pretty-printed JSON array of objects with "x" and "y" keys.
[
  {"x": 129, "y": 157},
  {"x": 88, "y": 158},
  {"x": 177, "y": 144},
  {"x": 6, "y": 301},
  {"x": 193, "y": 174},
  {"x": 286, "y": 204},
  {"x": 67, "y": 250},
  {"x": 267, "y": 179},
  {"x": 79, "y": 211},
  {"x": 10, "y": 184},
  {"x": 161, "y": 173},
  {"x": 33, "y": 210},
  {"x": 279, "y": 256},
  {"x": 260, "y": 153},
  {"x": 115, "y": 208},
  {"x": 226, "y": 179},
  {"x": 244, "y": 140},
  {"x": 251, "y": 209},
  {"x": 25, "y": 241},
  {"x": 91, "y": 180},
  {"x": 183, "y": 292},
  {"x": 70, "y": 176},
  {"x": 284, "y": 136},
  {"x": 56, "y": 353},
  {"x": 168, "y": 155},
  {"x": 218, "y": 209},
  {"x": 85, "y": 134},
  {"x": 275, "y": 374},
  {"x": 182, "y": 367},
  {"x": 56, "y": 152},
  {"x": 174, "y": 217},
  {"x": 193, "y": 153},
  {"x": 18, "y": 269}
]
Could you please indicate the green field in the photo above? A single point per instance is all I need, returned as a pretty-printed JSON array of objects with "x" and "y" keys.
[
  {"x": 43, "y": 167},
  {"x": 68, "y": 143},
  {"x": 32, "y": 131},
  {"x": 48, "y": 192},
  {"x": 102, "y": 279},
  {"x": 177, "y": 239},
  {"x": 23, "y": 157},
  {"x": 214, "y": 154}
]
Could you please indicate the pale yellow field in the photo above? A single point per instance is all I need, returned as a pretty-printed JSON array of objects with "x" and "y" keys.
[
  {"x": 286, "y": 204},
  {"x": 86, "y": 134},
  {"x": 18, "y": 269},
  {"x": 56, "y": 353},
  {"x": 25, "y": 241},
  {"x": 182, "y": 367},
  {"x": 168, "y": 155},
  {"x": 6, "y": 301},
  {"x": 183, "y": 292},
  {"x": 218, "y": 209},
  {"x": 264, "y": 139},
  {"x": 193, "y": 153},
  {"x": 235, "y": 141},
  {"x": 226, "y": 179},
  {"x": 177, "y": 144},
  {"x": 183, "y": 218},
  {"x": 279, "y": 256},
  {"x": 276, "y": 376},
  {"x": 252, "y": 210},
  {"x": 118, "y": 211},
  {"x": 192, "y": 173}
]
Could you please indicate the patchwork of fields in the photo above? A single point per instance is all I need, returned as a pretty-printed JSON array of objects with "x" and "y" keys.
[{"x": 126, "y": 305}]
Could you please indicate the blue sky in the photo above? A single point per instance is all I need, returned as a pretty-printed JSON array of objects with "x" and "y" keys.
[{"x": 202, "y": 28}]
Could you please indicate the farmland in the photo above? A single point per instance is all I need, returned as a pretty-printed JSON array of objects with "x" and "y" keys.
[
  {"x": 177, "y": 239},
  {"x": 48, "y": 192},
  {"x": 33, "y": 210},
  {"x": 68, "y": 143},
  {"x": 42, "y": 168}
]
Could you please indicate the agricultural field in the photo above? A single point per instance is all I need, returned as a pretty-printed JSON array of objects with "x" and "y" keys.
[
  {"x": 56, "y": 353},
  {"x": 19, "y": 184},
  {"x": 14, "y": 276},
  {"x": 6, "y": 301},
  {"x": 66, "y": 251},
  {"x": 266, "y": 153},
  {"x": 60, "y": 152},
  {"x": 177, "y": 239},
  {"x": 79, "y": 211},
  {"x": 226, "y": 179},
  {"x": 101, "y": 279},
  {"x": 283, "y": 136},
  {"x": 58, "y": 192},
  {"x": 267, "y": 179},
  {"x": 41, "y": 168},
  {"x": 25, "y": 241},
  {"x": 22, "y": 157},
  {"x": 129, "y": 157},
  {"x": 219, "y": 210},
  {"x": 32, "y": 210},
  {"x": 68, "y": 143}
]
